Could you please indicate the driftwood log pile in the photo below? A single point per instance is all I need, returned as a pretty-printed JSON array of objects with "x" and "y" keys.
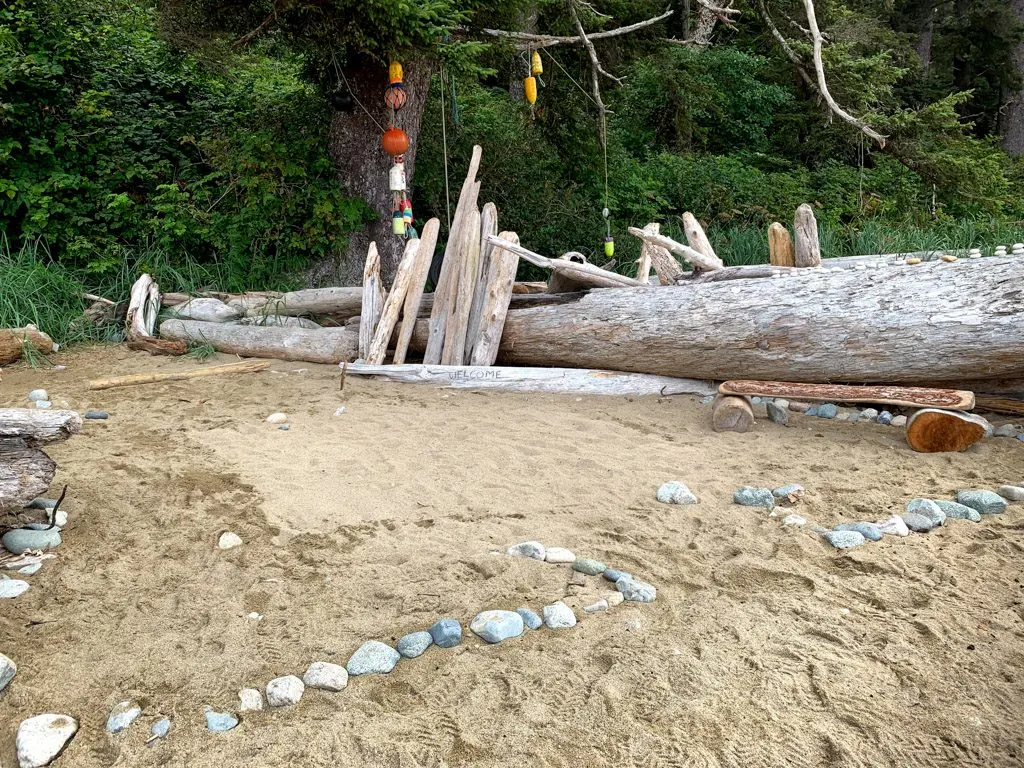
[{"x": 25, "y": 469}]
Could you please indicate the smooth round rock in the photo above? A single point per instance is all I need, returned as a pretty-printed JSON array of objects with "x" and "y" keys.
[
  {"x": 250, "y": 700},
  {"x": 893, "y": 526},
  {"x": 588, "y": 566},
  {"x": 777, "y": 413},
  {"x": 374, "y": 658},
  {"x": 869, "y": 531},
  {"x": 844, "y": 539},
  {"x": 41, "y": 738},
  {"x": 613, "y": 575},
  {"x": 918, "y": 523},
  {"x": 327, "y": 676},
  {"x": 28, "y": 570},
  {"x": 596, "y": 607},
  {"x": 41, "y": 503},
  {"x": 812, "y": 410},
  {"x": 11, "y": 588},
  {"x": 285, "y": 691},
  {"x": 613, "y": 598},
  {"x": 1011, "y": 492},
  {"x": 277, "y": 418},
  {"x": 160, "y": 728},
  {"x": 798, "y": 407},
  {"x": 675, "y": 492},
  {"x": 869, "y": 413},
  {"x": 828, "y": 410},
  {"x": 928, "y": 508},
  {"x": 955, "y": 511},
  {"x": 228, "y": 540},
  {"x": 219, "y": 722},
  {"x": 38, "y": 394},
  {"x": 559, "y": 616},
  {"x": 122, "y": 716},
  {"x": 495, "y": 626},
  {"x": 793, "y": 519},
  {"x": 1006, "y": 430},
  {"x": 899, "y": 421},
  {"x": 636, "y": 591},
  {"x": 284, "y": 427},
  {"x": 985, "y": 502},
  {"x": 532, "y": 549},
  {"x": 101, "y": 415},
  {"x": 446, "y": 633},
  {"x": 558, "y": 555},
  {"x": 21, "y": 540},
  {"x": 884, "y": 418},
  {"x": 8, "y": 669},
  {"x": 414, "y": 644},
  {"x": 754, "y": 497},
  {"x": 530, "y": 618}
]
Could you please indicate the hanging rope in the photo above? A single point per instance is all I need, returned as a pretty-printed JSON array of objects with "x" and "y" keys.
[
  {"x": 444, "y": 144},
  {"x": 341, "y": 76}
]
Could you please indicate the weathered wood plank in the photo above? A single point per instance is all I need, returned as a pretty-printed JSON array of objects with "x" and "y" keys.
[
  {"x": 414, "y": 296},
  {"x": 371, "y": 303},
  {"x": 393, "y": 304},
  {"x": 501, "y": 274}
]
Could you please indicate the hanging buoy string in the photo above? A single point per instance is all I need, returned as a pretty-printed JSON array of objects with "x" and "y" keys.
[
  {"x": 354, "y": 97},
  {"x": 444, "y": 145}
]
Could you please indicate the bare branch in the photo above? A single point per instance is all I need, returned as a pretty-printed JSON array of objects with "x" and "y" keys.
[
  {"x": 527, "y": 40},
  {"x": 595, "y": 68},
  {"x": 784, "y": 44},
  {"x": 248, "y": 37}
]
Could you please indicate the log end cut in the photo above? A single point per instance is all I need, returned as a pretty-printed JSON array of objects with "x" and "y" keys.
[
  {"x": 936, "y": 431},
  {"x": 731, "y": 414}
]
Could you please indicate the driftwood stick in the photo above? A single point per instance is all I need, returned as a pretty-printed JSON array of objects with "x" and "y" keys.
[
  {"x": 370, "y": 311},
  {"x": 780, "y": 246},
  {"x": 414, "y": 296},
  {"x": 696, "y": 258},
  {"x": 393, "y": 305},
  {"x": 922, "y": 397},
  {"x": 488, "y": 226},
  {"x": 501, "y": 274},
  {"x": 696, "y": 236},
  {"x": 246, "y": 366},
  {"x": 584, "y": 273},
  {"x": 807, "y": 251}
]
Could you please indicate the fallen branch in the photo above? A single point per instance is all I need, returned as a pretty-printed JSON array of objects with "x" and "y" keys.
[
  {"x": 694, "y": 257},
  {"x": 531, "y": 42},
  {"x": 587, "y": 274},
  {"x": 246, "y": 366}
]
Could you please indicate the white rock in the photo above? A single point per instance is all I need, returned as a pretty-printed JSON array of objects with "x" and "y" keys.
[
  {"x": 559, "y": 555},
  {"x": 277, "y": 418},
  {"x": 340, "y": 411},
  {"x": 1011, "y": 492},
  {"x": 43, "y": 404},
  {"x": 793, "y": 519},
  {"x": 38, "y": 394},
  {"x": 41, "y": 738},
  {"x": 8, "y": 669},
  {"x": 899, "y": 421},
  {"x": 600, "y": 605},
  {"x": 284, "y": 691},
  {"x": 894, "y": 526},
  {"x": 10, "y": 588},
  {"x": 532, "y": 549},
  {"x": 229, "y": 539},
  {"x": 122, "y": 716},
  {"x": 250, "y": 700},
  {"x": 675, "y": 492},
  {"x": 559, "y": 616},
  {"x": 254, "y": 616},
  {"x": 326, "y": 676},
  {"x": 612, "y": 598},
  {"x": 28, "y": 570}
]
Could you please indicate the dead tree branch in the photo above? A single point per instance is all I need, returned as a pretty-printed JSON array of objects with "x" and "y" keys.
[
  {"x": 526, "y": 40},
  {"x": 595, "y": 69}
]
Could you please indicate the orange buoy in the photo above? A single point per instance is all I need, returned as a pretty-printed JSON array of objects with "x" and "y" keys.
[{"x": 395, "y": 141}]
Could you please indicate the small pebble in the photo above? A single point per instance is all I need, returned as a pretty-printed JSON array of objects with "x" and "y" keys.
[
  {"x": 633, "y": 625},
  {"x": 558, "y": 555},
  {"x": 103, "y": 415},
  {"x": 38, "y": 394},
  {"x": 918, "y": 523},
  {"x": 43, "y": 404},
  {"x": 948, "y": 258},
  {"x": 41, "y": 738},
  {"x": 447, "y": 633},
  {"x": 899, "y": 421},
  {"x": 495, "y": 626},
  {"x": 340, "y": 411},
  {"x": 530, "y": 618},
  {"x": 532, "y": 549},
  {"x": 613, "y": 598},
  {"x": 600, "y": 605},
  {"x": 869, "y": 413},
  {"x": 11, "y": 588},
  {"x": 559, "y": 616},
  {"x": 894, "y": 526},
  {"x": 869, "y": 531},
  {"x": 284, "y": 427},
  {"x": 8, "y": 669},
  {"x": 375, "y": 658},
  {"x": 229, "y": 539},
  {"x": 844, "y": 539},
  {"x": 122, "y": 716},
  {"x": 791, "y": 493},
  {"x": 792, "y": 519},
  {"x": 778, "y": 413},
  {"x": 813, "y": 410},
  {"x": 828, "y": 410},
  {"x": 589, "y": 566},
  {"x": 1011, "y": 492},
  {"x": 285, "y": 691},
  {"x": 955, "y": 511},
  {"x": 985, "y": 502},
  {"x": 160, "y": 728},
  {"x": 254, "y": 616},
  {"x": 884, "y": 418},
  {"x": 756, "y": 400},
  {"x": 913, "y": 260},
  {"x": 1006, "y": 430},
  {"x": 277, "y": 418},
  {"x": 675, "y": 492},
  {"x": 928, "y": 508},
  {"x": 636, "y": 591},
  {"x": 250, "y": 700},
  {"x": 414, "y": 644},
  {"x": 331, "y": 677},
  {"x": 219, "y": 722},
  {"x": 754, "y": 497},
  {"x": 707, "y": 400},
  {"x": 797, "y": 407},
  {"x": 613, "y": 575}
]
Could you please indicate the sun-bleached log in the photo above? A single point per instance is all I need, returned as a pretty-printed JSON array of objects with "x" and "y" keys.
[
  {"x": 143, "y": 307},
  {"x": 696, "y": 236},
  {"x": 371, "y": 301},
  {"x": 585, "y": 274},
  {"x": 414, "y": 296},
  {"x": 488, "y": 226},
  {"x": 392, "y": 305},
  {"x": 39, "y": 426},
  {"x": 324, "y": 345},
  {"x": 457, "y": 326},
  {"x": 696, "y": 258}
]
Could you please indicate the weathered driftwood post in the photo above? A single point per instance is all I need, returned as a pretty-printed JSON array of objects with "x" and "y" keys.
[
  {"x": 780, "y": 246},
  {"x": 414, "y": 297},
  {"x": 731, "y": 414},
  {"x": 807, "y": 252},
  {"x": 696, "y": 236},
  {"x": 371, "y": 307}
]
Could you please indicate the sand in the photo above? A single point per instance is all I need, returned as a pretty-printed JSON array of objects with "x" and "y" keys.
[{"x": 765, "y": 647}]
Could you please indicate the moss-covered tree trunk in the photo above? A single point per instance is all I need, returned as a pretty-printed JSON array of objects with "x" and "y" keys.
[
  {"x": 355, "y": 147},
  {"x": 1013, "y": 135}
]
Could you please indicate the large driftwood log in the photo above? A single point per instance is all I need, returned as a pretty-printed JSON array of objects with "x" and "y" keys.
[
  {"x": 337, "y": 302},
  {"x": 807, "y": 250},
  {"x": 25, "y": 473},
  {"x": 13, "y": 341},
  {"x": 325, "y": 345},
  {"x": 39, "y": 426},
  {"x": 919, "y": 325},
  {"x": 552, "y": 380},
  {"x": 920, "y": 397}
]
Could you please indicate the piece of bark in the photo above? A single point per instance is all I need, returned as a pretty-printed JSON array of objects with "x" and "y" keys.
[
  {"x": 326, "y": 345},
  {"x": 696, "y": 236},
  {"x": 731, "y": 414},
  {"x": 699, "y": 260},
  {"x": 25, "y": 473},
  {"x": 935, "y": 431},
  {"x": 156, "y": 346},
  {"x": 414, "y": 296},
  {"x": 920, "y": 397},
  {"x": 500, "y": 276},
  {"x": 393, "y": 305},
  {"x": 39, "y": 426},
  {"x": 132, "y": 379},
  {"x": 457, "y": 326},
  {"x": 143, "y": 307},
  {"x": 807, "y": 249},
  {"x": 488, "y": 226},
  {"x": 780, "y": 246},
  {"x": 371, "y": 309},
  {"x": 13, "y": 341}
]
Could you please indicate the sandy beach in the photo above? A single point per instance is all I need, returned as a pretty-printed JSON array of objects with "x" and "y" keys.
[{"x": 765, "y": 646}]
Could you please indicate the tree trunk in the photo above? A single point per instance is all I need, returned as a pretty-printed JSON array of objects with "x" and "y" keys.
[
  {"x": 924, "y": 41},
  {"x": 1013, "y": 136},
  {"x": 363, "y": 165}
]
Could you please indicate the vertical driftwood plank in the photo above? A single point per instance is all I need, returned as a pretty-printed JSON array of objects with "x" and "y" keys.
[
  {"x": 488, "y": 226},
  {"x": 424, "y": 257},
  {"x": 370, "y": 313},
  {"x": 644, "y": 263},
  {"x": 807, "y": 252},
  {"x": 393, "y": 304},
  {"x": 501, "y": 275},
  {"x": 458, "y": 323},
  {"x": 780, "y": 246},
  {"x": 696, "y": 237}
]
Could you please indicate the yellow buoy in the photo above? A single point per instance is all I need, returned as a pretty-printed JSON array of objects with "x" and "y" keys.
[
  {"x": 530, "y": 89},
  {"x": 609, "y": 246},
  {"x": 395, "y": 73},
  {"x": 536, "y": 65}
]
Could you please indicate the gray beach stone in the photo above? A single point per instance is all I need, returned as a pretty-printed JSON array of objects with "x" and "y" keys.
[
  {"x": 558, "y": 555},
  {"x": 28, "y": 570},
  {"x": 899, "y": 421},
  {"x": 675, "y": 492},
  {"x": 414, "y": 644},
  {"x": 41, "y": 503},
  {"x": 778, "y": 413},
  {"x": 636, "y": 591},
  {"x": 613, "y": 575},
  {"x": 754, "y": 497},
  {"x": 928, "y": 508},
  {"x": 250, "y": 700},
  {"x": 918, "y": 523},
  {"x": 327, "y": 676},
  {"x": 530, "y": 618},
  {"x": 812, "y": 410},
  {"x": 495, "y": 626},
  {"x": 790, "y": 494},
  {"x": 955, "y": 511},
  {"x": 122, "y": 716},
  {"x": 446, "y": 633},
  {"x": 160, "y": 728},
  {"x": 559, "y": 616},
  {"x": 38, "y": 394},
  {"x": 985, "y": 502},
  {"x": 532, "y": 549},
  {"x": 43, "y": 404},
  {"x": 869, "y": 531},
  {"x": 588, "y": 566},
  {"x": 1011, "y": 492},
  {"x": 869, "y": 414},
  {"x": 1006, "y": 430},
  {"x": 375, "y": 658},
  {"x": 21, "y": 540},
  {"x": 285, "y": 691},
  {"x": 41, "y": 738},
  {"x": 100, "y": 415},
  {"x": 798, "y": 407},
  {"x": 844, "y": 539},
  {"x": 284, "y": 427},
  {"x": 781, "y": 402},
  {"x": 828, "y": 410},
  {"x": 219, "y": 722},
  {"x": 11, "y": 588},
  {"x": 597, "y": 607},
  {"x": 884, "y": 418},
  {"x": 8, "y": 669}
]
